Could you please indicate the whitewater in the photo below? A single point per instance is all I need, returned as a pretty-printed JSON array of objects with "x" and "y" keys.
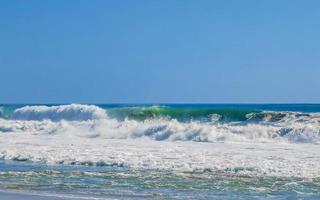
[
  {"x": 207, "y": 142},
  {"x": 84, "y": 134}
]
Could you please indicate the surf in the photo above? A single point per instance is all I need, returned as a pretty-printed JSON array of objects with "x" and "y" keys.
[{"x": 165, "y": 123}]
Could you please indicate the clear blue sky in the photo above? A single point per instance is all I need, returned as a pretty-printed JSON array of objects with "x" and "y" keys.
[{"x": 218, "y": 51}]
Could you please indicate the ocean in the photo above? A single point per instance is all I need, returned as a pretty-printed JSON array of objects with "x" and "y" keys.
[{"x": 160, "y": 151}]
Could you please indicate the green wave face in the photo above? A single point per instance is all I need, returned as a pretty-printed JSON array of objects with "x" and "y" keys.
[
  {"x": 6, "y": 111},
  {"x": 181, "y": 114}
]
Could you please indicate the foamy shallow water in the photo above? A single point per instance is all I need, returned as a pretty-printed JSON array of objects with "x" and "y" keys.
[{"x": 92, "y": 182}]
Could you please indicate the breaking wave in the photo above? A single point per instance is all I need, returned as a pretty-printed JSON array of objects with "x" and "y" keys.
[
  {"x": 93, "y": 121},
  {"x": 74, "y": 112},
  {"x": 275, "y": 143}
]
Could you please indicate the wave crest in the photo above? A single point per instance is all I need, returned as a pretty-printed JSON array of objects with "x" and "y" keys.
[{"x": 72, "y": 112}]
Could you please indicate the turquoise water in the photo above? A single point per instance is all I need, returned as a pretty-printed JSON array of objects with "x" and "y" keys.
[
  {"x": 124, "y": 183},
  {"x": 42, "y": 150}
]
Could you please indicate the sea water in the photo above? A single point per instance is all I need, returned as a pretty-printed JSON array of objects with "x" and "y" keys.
[{"x": 175, "y": 151}]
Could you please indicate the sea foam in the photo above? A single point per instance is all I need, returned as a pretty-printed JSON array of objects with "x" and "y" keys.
[{"x": 84, "y": 134}]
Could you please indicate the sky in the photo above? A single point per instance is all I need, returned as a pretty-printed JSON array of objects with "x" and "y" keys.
[{"x": 159, "y": 51}]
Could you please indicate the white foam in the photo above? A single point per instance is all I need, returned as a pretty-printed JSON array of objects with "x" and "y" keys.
[
  {"x": 265, "y": 159},
  {"x": 63, "y": 112},
  {"x": 245, "y": 149},
  {"x": 171, "y": 130}
]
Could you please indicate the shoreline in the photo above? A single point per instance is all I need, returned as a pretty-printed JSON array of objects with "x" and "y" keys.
[
  {"x": 12, "y": 194},
  {"x": 32, "y": 195}
]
